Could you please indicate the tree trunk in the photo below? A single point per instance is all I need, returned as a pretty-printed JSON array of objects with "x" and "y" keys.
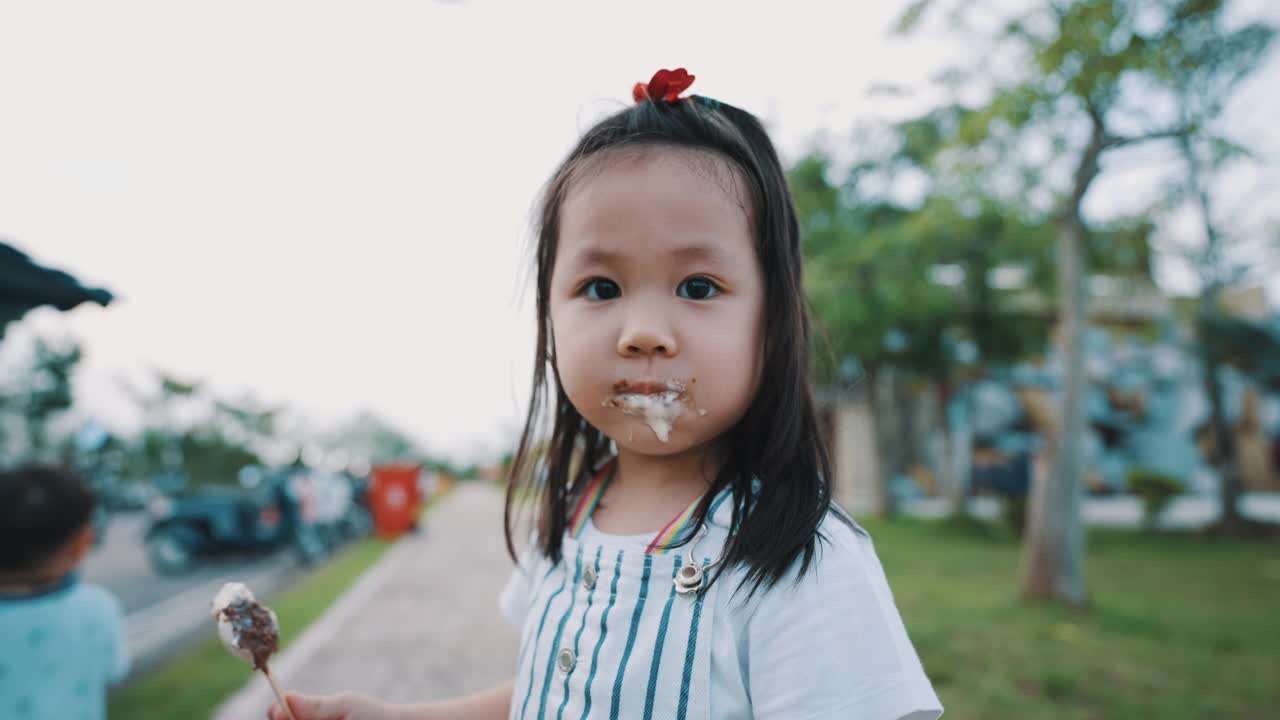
[
  {"x": 957, "y": 449},
  {"x": 904, "y": 435},
  {"x": 1229, "y": 482},
  {"x": 1053, "y": 552},
  {"x": 887, "y": 414},
  {"x": 1231, "y": 522},
  {"x": 876, "y": 505},
  {"x": 1053, "y": 549}
]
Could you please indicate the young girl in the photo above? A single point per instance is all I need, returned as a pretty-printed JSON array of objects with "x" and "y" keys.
[{"x": 688, "y": 561}]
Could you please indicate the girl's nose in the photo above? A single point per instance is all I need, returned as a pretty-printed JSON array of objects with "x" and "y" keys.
[{"x": 646, "y": 339}]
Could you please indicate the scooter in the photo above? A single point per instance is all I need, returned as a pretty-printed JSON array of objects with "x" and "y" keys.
[{"x": 187, "y": 527}]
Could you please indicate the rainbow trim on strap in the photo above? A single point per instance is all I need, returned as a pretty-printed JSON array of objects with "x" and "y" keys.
[
  {"x": 668, "y": 534},
  {"x": 592, "y": 493},
  {"x": 590, "y": 498}
]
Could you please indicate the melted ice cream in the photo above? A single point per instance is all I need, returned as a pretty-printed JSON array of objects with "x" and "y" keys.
[
  {"x": 248, "y": 630},
  {"x": 658, "y": 410}
]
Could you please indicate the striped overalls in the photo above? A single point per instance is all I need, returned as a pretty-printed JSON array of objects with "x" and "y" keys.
[{"x": 607, "y": 634}]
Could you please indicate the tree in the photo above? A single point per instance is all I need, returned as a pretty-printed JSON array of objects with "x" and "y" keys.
[
  {"x": 369, "y": 436},
  {"x": 1203, "y": 74},
  {"x": 44, "y": 392},
  {"x": 877, "y": 311},
  {"x": 872, "y": 266},
  {"x": 162, "y": 405},
  {"x": 245, "y": 422},
  {"x": 1082, "y": 77},
  {"x": 209, "y": 457}
]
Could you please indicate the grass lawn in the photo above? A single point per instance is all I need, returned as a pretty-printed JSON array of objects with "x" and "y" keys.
[
  {"x": 192, "y": 685},
  {"x": 1180, "y": 626}
]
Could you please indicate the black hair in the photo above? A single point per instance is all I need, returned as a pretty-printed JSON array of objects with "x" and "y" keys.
[
  {"x": 778, "y": 439},
  {"x": 41, "y": 509}
]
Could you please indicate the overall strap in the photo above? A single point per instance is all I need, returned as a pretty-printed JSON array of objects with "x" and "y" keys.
[
  {"x": 669, "y": 534},
  {"x": 673, "y": 530},
  {"x": 590, "y": 497}
]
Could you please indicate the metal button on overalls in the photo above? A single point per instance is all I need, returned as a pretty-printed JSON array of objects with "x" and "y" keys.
[
  {"x": 589, "y": 578},
  {"x": 566, "y": 660}
]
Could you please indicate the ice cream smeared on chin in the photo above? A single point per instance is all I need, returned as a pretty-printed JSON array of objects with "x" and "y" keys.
[{"x": 658, "y": 404}]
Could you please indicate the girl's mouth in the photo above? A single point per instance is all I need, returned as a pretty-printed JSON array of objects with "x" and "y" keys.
[
  {"x": 648, "y": 387},
  {"x": 657, "y": 403}
]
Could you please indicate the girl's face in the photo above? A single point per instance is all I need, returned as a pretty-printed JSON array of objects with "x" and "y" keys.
[{"x": 657, "y": 300}]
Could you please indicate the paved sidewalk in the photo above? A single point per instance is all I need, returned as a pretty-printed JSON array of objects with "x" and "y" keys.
[{"x": 422, "y": 624}]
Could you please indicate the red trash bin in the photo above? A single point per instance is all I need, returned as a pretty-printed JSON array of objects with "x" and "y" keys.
[{"x": 394, "y": 499}]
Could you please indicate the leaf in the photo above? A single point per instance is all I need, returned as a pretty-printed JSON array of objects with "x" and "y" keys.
[
  {"x": 910, "y": 17},
  {"x": 921, "y": 139},
  {"x": 173, "y": 386}
]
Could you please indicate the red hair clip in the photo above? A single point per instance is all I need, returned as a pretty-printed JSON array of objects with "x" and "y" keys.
[{"x": 665, "y": 85}]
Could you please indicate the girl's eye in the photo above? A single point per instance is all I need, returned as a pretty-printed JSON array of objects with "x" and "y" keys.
[
  {"x": 601, "y": 289},
  {"x": 698, "y": 288}
]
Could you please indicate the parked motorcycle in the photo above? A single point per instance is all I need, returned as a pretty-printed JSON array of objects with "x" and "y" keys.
[
  {"x": 269, "y": 511},
  {"x": 358, "y": 520}
]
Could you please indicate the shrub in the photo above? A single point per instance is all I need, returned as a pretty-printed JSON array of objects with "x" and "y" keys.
[{"x": 1156, "y": 489}]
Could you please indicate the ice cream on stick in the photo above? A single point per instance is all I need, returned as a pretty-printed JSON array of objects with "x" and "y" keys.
[{"x": 249, "y": 630}]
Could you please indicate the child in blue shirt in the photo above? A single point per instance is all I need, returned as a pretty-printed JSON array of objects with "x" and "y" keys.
[{"x": 62, "y": 642}]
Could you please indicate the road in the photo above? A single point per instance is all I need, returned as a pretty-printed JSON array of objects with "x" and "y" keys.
[{"x": 165, "y": 614}]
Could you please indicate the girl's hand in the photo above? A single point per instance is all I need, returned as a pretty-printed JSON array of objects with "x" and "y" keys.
[{"x": 343, "y": 706}]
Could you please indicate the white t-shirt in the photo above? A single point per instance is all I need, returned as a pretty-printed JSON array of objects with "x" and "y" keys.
[{"x": 830, "y": 646}]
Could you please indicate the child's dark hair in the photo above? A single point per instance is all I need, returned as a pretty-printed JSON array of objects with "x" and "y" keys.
[
  {"x": 778, "y": 439},
  {"x": 41, "y": 509}
]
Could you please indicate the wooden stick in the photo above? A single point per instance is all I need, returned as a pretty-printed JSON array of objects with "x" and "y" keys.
[{"x": 279, "y": 691}]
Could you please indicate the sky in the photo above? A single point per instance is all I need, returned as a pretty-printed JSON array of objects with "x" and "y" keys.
[{"x": 326, "y": 205}]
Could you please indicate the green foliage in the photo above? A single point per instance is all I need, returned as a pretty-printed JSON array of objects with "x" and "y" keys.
[
  {"x": 1068, "y": 65},
  {"x": 209, "y": 458},
  {"x": 1013, "y": 509},
  {"x": 1156, "y": 489},
  {"x": 211, "y": 450},
  {"x": 43, "y": 391},
  {"x": 206, "y": 455},
  {"x": 246, "y": 418},
  {"x": 911, "y": 16},
  {"x": 1121, "y": 248},
  {"x": 370, "y": 436},
  {"x": 145, "y": 455},
  {"x": 461, "y": 472},
  {"x": 172, "y": 387},
  {"x": 1203, "y": 60},
  {"x": 49, "y": 389},
  {"x": 871, "y": 267},
  {"x": 924, "y": 137}
]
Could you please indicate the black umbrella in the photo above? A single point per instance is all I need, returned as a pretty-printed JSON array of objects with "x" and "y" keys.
[{"x": 24, "y": 286}]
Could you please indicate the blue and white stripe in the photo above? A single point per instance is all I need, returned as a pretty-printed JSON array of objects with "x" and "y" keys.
[{"x": 641, "y": 649}]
